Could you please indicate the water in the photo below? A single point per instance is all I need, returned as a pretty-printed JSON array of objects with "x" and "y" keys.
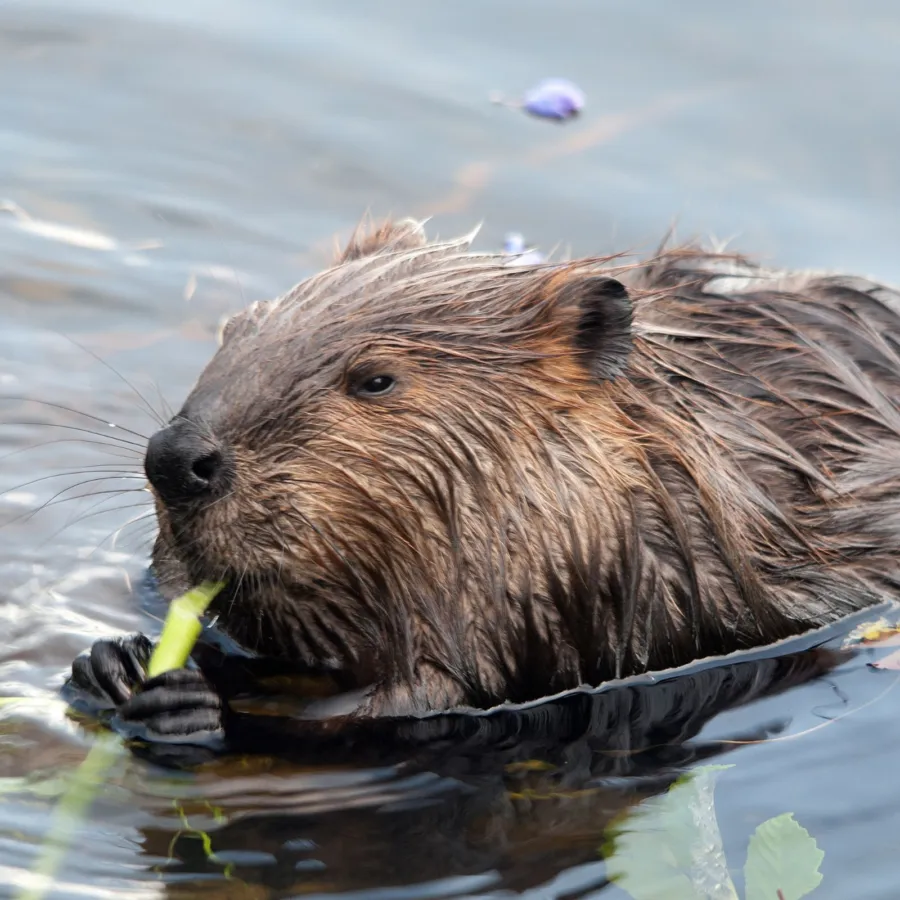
[{"x": 238, "y": 138}]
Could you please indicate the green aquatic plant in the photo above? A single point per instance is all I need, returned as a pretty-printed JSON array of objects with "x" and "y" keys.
[
  {"x": 180, "y": 632},
  {"x": 182, "y": 628},
  {"x": 189, "y": 830},
  {"x": 671, "y": 847}
]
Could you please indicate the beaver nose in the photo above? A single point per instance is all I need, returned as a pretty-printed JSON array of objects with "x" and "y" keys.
[{"x": 184, "y": 464}]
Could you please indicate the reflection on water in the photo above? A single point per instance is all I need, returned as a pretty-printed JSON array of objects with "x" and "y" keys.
[
  {"x": 443, "y": 806},
  {"x": 162, "y": 165},
  {"x": 516, "y": 795}
]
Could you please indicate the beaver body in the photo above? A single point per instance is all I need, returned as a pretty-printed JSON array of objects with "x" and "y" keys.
[{"x": 451, "y": 481}]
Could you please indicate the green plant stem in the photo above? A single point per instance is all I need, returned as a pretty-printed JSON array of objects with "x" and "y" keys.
[{"x": 180, "y": 632}]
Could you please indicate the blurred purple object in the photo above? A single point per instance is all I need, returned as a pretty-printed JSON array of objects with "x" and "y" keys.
[
  {"x": 514, "y": 243},
  {"x": 554, "y": 98},
  {"x": 514, "y": 246}
]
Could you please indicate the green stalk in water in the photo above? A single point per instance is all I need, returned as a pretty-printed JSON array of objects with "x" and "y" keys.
[
  {"x": 182, "y": 628},
  {"x": 180, "y": 632}
]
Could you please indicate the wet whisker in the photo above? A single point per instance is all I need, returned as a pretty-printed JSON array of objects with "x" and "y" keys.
[
  {"x": 113, "y": 474},
  {"x": 146, "y": 516},
  {"x": 57, "y": 499},
  {"x": 114, "y": 440},
  {"x": 73, "y": 518},
  {"x": 117, "y": 452},
  {"x": 90, "y": 514},
  {"x": 167, "y": 409},
  {"x": 149, "y": 407},
  {"x": 77, "y": 412}
]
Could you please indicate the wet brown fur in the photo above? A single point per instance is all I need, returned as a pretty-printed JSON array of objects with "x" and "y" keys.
[{"x": 568, "y": 483}]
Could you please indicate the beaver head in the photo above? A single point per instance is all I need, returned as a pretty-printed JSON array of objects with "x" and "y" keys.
[
  {"x": 381, "y": 461},
  {"x": 427, "y": 470}
]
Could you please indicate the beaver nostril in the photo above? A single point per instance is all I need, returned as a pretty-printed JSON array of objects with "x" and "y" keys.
[
  {"x": 183, "y": 464},
  {"x": 207, "y": 466}
]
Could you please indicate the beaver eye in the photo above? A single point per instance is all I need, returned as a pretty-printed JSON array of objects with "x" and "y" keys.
[{"x": 376, "y": 386}]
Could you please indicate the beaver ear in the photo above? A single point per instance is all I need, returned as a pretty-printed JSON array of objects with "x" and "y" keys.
[
  {"x": 367, "y": 240},
  {"x": 242, "y": 322},
  {"x": 603, "y": 327}
]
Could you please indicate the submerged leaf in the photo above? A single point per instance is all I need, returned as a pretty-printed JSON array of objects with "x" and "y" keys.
[
  {"x": 670, "y": 846},
  {"x": 783, "y": 861}
]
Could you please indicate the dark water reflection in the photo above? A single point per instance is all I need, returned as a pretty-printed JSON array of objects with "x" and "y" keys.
[
  {"x": 505, "y": 799},
  {"x": 178, "y": 159}
]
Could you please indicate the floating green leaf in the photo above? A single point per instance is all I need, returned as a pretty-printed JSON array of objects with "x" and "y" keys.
[
  {"x": 670, "y": 846},
  {"x": 782, "y": 857}
]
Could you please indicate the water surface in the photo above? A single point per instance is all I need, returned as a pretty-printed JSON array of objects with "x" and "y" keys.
[{"x": 202, "y": 155}]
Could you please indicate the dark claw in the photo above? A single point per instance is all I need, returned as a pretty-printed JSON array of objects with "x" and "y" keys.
[
  {"x": 177, "y": 707},
  {"x": 121, "y": 665}
]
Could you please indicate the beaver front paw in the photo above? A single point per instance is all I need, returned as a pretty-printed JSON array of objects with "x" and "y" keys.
[
  {"x": 108, "y": 674},
  {"x": 179, "y": 706}
]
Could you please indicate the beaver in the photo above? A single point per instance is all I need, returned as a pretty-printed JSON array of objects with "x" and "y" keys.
[{"x": 448, "y": 481}]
